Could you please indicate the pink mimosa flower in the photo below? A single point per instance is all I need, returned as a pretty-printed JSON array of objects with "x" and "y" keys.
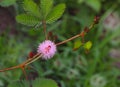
[{"x": 47, "y": 49}]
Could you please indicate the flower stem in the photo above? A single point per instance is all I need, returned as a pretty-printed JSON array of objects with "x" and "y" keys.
[{"x": 45, "y": 31}]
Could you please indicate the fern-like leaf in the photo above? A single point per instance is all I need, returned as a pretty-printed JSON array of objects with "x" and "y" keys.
[
  {"x": 6, "y": 3},
  {"x": 44, "y": 83},
  {"x": 31, "y": 8},
  {"x": 46, "y": 6},
  {"x": 27, "y": 20},
  {"x": 56, "y": 13}
]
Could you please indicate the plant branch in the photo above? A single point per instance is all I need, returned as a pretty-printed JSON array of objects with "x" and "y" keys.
[
  {"x": 22, "y": 64},
  {"x": 37, "y": 56},
  {"x": 65, "y": 41},
  {"x": 11, "y": 68},
  {"x": 33, "y": 60},
  {"x": 82, "y": 34}
]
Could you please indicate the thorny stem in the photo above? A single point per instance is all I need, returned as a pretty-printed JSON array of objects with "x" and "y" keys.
[{"x": 45, "y": 31}]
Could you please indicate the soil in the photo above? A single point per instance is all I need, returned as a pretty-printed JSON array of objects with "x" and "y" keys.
[{"x": 7, "y": 20}]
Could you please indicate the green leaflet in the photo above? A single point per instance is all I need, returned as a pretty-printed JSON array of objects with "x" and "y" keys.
[
  {"x": 77, "y": 44},
  {"x": 44, "y": 83},
  {"x": 46, "y": 6},
  {"x": 6, "y": 3},
  {"x": 31, "y": 8},
  {"x": 27, "y": 20},
  {"x": 39, "y": 82},
  {"x": 56, "y": 13}
]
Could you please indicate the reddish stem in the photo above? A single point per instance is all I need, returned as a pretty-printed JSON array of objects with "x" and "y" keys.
[{"x": 24, "y": 72}]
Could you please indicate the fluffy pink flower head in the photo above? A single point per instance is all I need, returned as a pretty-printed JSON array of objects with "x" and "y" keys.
[{"x": 47, "y": 49}]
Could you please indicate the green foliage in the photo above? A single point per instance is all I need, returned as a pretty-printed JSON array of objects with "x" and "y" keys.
[
  {"x": 44, "y": 83},
  {"x": 56, "y": 13},
  {"x": 95, "y": 4},
  {"x": 1, "y": 83},
  {"x": 36, "y": 14},
  {"x": 39, "y": 82},
  {"x": 27, "y": 20},
  {"x": 46, "y": 6},
  {"x": 6, "y": 3},
  {"x": 69, "y": 68},
  {"x": 77, "y": 44},
  {"x": 80, "y": 1},
  {"x": 11, "y": 55},
  {"x": 19, "y": 84},
  {"x": 31, "y": 8},
  {"x": 98, "y": 81},
  {"x": 88, "y": 45}
]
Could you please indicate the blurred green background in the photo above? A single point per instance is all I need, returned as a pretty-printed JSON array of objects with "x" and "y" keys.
[{"x": 100, "y": 67}]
